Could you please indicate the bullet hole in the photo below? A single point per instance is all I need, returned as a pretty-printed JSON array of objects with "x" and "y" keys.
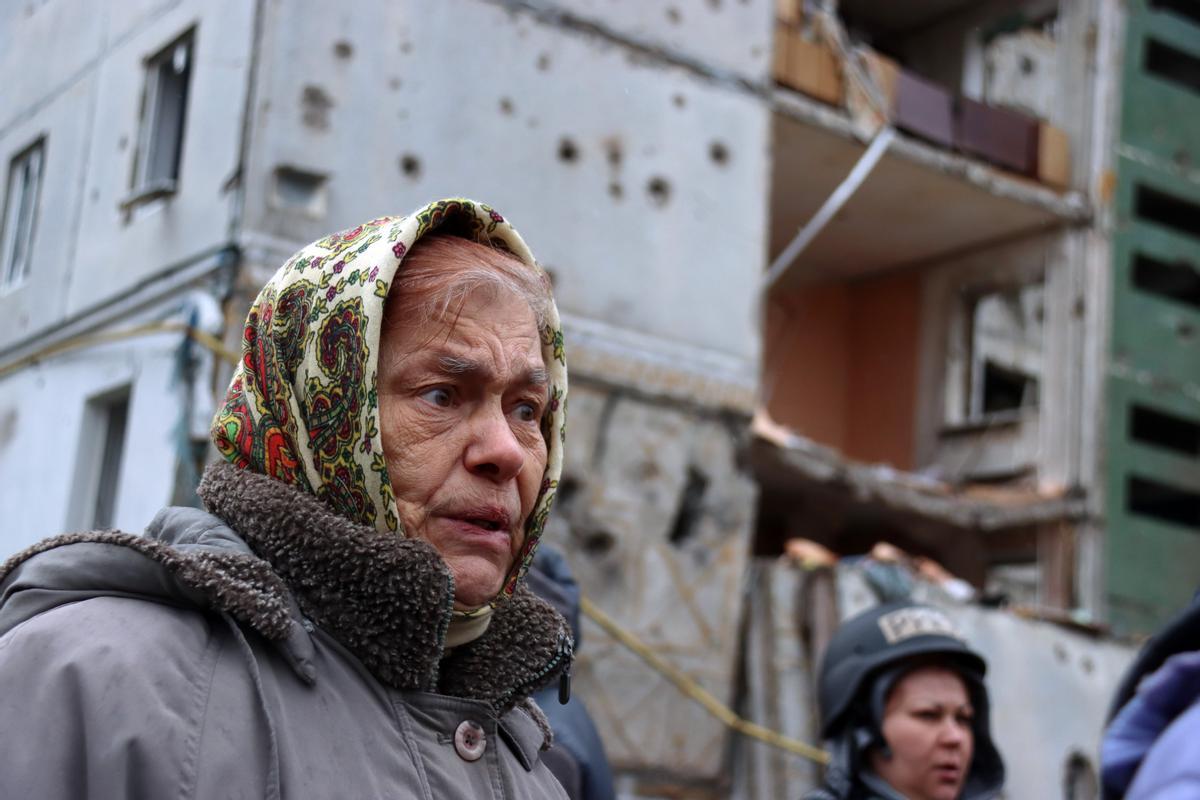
[
  {"x": 315, "y": 106},
  {"x": 719, "y": 153},
  {"x": 679, "y": 100},
  {"x": 406, "y": 47},
  {"x": 1027, "y": 65},
  {"x": 756, "y": 52},
  {"x": 1183, "y": 158},
  {"x": 616, "y": 191},
  {"x": 543, "y": 62},
  {"x": 394, "y": 84},
  {"x": 673, "y": 15},
  {"x": 659, "y": 190},
  {"x": 123, "y": 142},
  {"x": 506, "y": 106},
  {"x": 1088, "y": 665},
  {"x": 532, "y": 123},
  {"x": 612, "y": 152},
  {"x": 410, "y": 165},
  {"x": 715, "y": 5},
  {"x": 343, "y": 49},
  {"x": 598, "y": 543},
  {"x": 568, "y": 152}
]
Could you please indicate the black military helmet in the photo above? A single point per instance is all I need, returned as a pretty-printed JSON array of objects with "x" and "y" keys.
[{"x": 875, "y": 640}]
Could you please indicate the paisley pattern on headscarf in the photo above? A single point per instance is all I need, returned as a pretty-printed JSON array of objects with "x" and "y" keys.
[{"x": 302, "y": 406}]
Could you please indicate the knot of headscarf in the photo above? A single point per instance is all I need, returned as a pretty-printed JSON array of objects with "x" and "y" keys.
[{"x": 302, "y": 406}]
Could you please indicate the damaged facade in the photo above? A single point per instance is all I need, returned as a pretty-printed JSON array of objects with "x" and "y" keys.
[{"x": 986, "y": 356}]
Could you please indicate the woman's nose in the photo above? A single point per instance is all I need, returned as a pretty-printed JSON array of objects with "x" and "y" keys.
[{"x": 493, "y": 451}]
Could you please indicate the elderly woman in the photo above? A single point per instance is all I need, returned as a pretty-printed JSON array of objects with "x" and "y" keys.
[
  {"x": 347, "y": 618},
  {"x": 905, "y": 711}
]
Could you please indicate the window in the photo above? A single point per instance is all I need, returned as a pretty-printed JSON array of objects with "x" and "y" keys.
[
  {"x": 98, "y": 460},
  {"x": 164, "y": 109},
  {"x": 1004, "y": 332},
  {"x": 113, "y": 413},
  {"x": 20, "y": 213}
]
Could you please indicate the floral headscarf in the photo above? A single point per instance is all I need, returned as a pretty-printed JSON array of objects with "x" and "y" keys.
[{"x": 303, "y": 407}]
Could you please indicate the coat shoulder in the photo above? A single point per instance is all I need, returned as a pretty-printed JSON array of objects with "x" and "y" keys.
[{"x": 108, "y": 693}]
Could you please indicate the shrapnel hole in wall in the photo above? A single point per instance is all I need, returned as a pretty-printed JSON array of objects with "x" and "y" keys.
[
  {"x": 1162, "y": 501},
  {"x": 1160, "y": 429},
  {"x": 1168, "y": 210},
  {"x": 1179, "y": 281},
  {"x": 1173, "y": 65},
  {"x": 410, "y": 165},
  {"x": 568, "y": 151},
  {"x": 1188, "y": 9}
]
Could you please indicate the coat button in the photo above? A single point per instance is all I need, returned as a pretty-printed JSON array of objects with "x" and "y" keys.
[{"x": 469, "y": 740}]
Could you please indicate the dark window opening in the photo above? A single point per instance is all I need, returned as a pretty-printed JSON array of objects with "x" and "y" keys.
[
  {"x": 1164, "y": 502},
  {"x": 114, "y": 413},
  {"x": 1168, "y": 210},
  {"x": 690, "y": 506},
  {"x": 1173, "y": 65},
  {"x": 1164, "y": 430},
  {"x": 1188, "y": 9},
  {"x": 160, "y": 144},
  {"x": 1007, "y": 389},
  {"x": 1179, "y": 282}
]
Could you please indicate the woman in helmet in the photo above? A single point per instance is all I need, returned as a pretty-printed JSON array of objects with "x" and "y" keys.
[{"x": 905, "y": 711}]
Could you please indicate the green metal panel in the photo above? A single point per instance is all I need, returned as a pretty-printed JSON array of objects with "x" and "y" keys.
[
  {"x": 1153, "y": 564},
  {"x": 1158, "y": 115}
]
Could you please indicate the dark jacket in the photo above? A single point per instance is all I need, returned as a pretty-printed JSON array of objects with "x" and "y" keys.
[
  {"x": 577, "y": 758},
  {"x": 269, "y": 649}
]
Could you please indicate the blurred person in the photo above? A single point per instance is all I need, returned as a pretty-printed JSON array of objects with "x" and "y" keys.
[
  {"x": 905, "y": 711},
  {"x": 577, "y": 758},
  {"x": 348, "y": 617},
  {"x": 1151, "y": 748}
]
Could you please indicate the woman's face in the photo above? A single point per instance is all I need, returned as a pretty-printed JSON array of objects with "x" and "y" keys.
[
  {"x": 927, "y": 725},
  {"x": 460, "y": 406}
]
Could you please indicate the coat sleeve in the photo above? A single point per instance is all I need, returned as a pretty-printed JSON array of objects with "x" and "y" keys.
[
  {"x": 103, "y": 698},
  {"x": 1171, "y": 770}
]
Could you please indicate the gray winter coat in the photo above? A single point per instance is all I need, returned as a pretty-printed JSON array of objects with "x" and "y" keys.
[{"x": 270, "y": 649}]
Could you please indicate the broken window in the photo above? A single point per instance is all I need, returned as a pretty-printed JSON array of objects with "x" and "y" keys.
[
  {"x": 164, "y": 109},
  {"x": 20, "y": 213},
  {"x": 1005, "y": 344}
]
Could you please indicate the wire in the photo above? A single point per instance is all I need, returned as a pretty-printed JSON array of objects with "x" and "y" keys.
[{"x": 698, "y": 693}]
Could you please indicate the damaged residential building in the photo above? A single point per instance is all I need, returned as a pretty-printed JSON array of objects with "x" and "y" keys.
[{"x": 831, "y": 274}]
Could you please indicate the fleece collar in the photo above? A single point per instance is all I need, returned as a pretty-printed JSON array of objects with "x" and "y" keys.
[{"x": 387, "y": 599}]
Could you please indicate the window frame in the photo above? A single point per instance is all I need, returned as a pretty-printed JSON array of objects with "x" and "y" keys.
[
  {"x": 14, "y": 269},
  {"x": 145, "y": 185}
]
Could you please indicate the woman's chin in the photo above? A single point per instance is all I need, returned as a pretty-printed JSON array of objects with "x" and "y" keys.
[{"x": 477, "y": 581}]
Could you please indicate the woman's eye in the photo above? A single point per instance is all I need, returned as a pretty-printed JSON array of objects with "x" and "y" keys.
[
  {"x": 527, "y": 412},
  {"x": 438, "y": 396}
]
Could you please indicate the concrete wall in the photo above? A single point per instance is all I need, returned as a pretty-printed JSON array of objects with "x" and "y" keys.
[
  {"x": 86, "y": 101},
  {"x": 644, "y": 193},
  {"x": 654, "y": 515}
]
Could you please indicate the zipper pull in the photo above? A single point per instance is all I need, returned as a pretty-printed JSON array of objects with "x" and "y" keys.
[
  {"x": 564, "y": 677},
  {"x": 564, "y": 685}
]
